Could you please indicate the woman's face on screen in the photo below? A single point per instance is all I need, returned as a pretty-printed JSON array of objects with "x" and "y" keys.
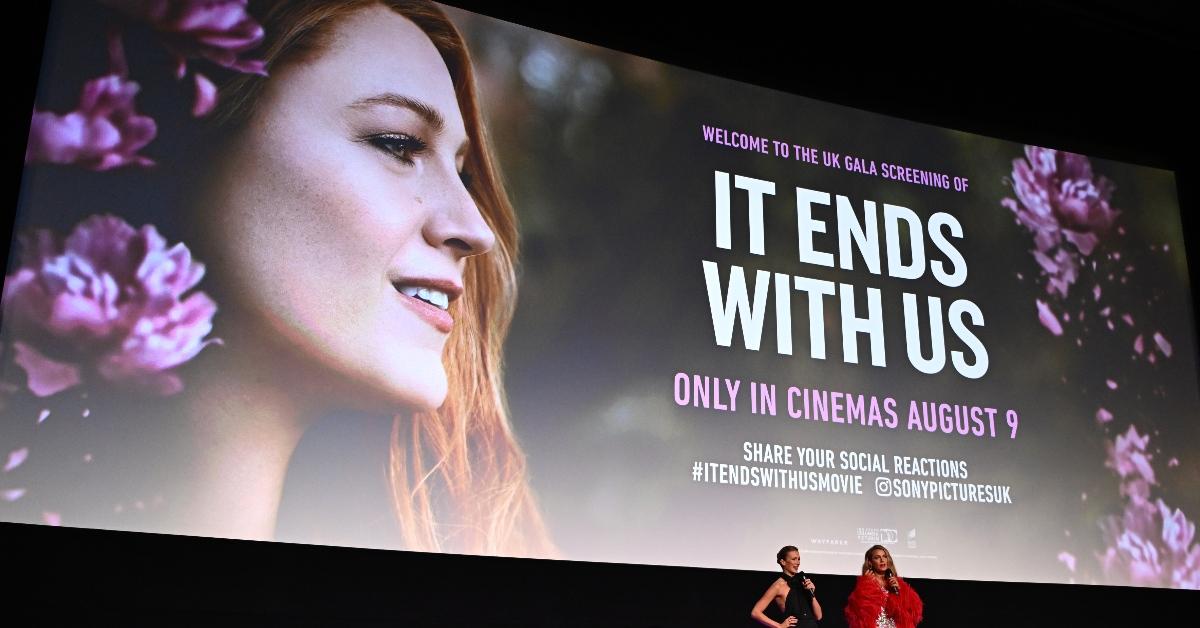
[{"x": 342, "y": 215}]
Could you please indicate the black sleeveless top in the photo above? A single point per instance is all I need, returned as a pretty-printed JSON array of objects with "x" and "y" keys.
[{"x": 799, "y": 601}]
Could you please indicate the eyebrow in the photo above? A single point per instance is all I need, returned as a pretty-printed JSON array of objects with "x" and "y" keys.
[{"x": 425, "y": 111}]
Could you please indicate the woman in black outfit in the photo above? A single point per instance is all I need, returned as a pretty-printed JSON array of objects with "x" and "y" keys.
[{"x": 793, "y": 593}]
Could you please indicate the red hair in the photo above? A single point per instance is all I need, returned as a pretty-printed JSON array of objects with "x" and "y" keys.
[{"x": 457, "y": 473}]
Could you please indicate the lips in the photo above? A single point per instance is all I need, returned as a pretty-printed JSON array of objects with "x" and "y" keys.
[{"x": 429, "y": 299}]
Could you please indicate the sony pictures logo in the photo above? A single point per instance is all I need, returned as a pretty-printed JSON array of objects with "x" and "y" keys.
[{"x": 878, "y": 535}]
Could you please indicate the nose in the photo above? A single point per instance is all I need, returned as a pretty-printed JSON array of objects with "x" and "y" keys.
[{"x": 455, "y": 222}]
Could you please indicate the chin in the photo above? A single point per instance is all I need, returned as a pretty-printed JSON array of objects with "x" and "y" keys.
[{"x": 418, "y": 390}]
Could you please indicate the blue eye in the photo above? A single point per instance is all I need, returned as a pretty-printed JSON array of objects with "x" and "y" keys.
[{"x": 401, "y": 146}]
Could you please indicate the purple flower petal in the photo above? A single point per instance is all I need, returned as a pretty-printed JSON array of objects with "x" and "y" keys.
[
  {"x": 1048, "y": 319},
  {"x": 216, "y": 30},
  {"x": 51, "y": 518},
  {"x": 1103, "y": 416},
  {"x": 12, "y": 494},
  {"x": 1138, "y": 345},
  {"x": 1162, "y": 343},
  {"x": 15, "y": 458},
  {"x": 46, "y": 377},
  {"x": 1121, "y": 453},
  {"x": 206, "y": 96},
  {"x": 43, "y": 415},
  {"x": 1112, "y": 385},
  {"x": 1067, "y": 559},
  {"x": 1177, "y": 531}
]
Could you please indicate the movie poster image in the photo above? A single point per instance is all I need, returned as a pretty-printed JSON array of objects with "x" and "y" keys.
[{"x": 400, "y": 276}]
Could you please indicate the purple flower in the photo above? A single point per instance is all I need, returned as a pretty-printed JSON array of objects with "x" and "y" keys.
[
  {"x": 1060, "y": 201},
  {"x": 1127, "y": 454},
  {"x": 217, "y": 30},
  {"x": 103, "y": 133},
  {"x": 1141, "y": 558},
  {"x": 108, "y": 302},
  {"x": 1059, "y": 196}
]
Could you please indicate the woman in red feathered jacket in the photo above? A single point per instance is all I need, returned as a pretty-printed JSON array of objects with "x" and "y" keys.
[{"x": 880, "y": 598}]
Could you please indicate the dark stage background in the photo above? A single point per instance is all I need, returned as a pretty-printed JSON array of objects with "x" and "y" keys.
[{"x": 1105, "y": 80}]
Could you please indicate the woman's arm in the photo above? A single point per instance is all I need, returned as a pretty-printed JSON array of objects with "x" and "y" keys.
[
  {"x": 906, "y": 607},
  {"x": 816, "y": 606},
  {"x": 756, "y": 613}
]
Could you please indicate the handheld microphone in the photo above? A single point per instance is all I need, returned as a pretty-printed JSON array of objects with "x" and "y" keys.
[
  {"x": 888, "y": 574},
  {"x": 801, "y": 577}
]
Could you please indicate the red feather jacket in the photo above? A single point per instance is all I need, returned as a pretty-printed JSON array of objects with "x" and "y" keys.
[{"x": 863, "y": 607}]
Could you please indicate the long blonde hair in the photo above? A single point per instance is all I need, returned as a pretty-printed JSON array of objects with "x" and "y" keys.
[{"x": 458, "y": 476}]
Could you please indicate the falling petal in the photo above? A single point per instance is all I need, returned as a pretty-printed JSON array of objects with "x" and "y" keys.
[
  {"x": 52, "y": 518},
  {"x": 15, "y": 459},
  {"x": 43, "y": 414},
  {"x": 1106, "y": 311},
  {"x": 1128, "y": 319},
  {"x": 1103, "y": 415},
  {"x": 1067, "y": 559},
  {"x": 1162, "y": 343},
  {"x": 87, "y": 457},
  {"x": 1048, "y": 319},
  {"x": 13, "y": 494},
  {"x": 1138, "y": 345},
  {"x": 1152, "y": 358},
  {"x": 1173, "y": 462},
  {"x": 87, "y": 412},
  {"x": 1111, "y": 384},
  {"x": 1096, "y": 292},
  {"x": 206, "y": 96}
]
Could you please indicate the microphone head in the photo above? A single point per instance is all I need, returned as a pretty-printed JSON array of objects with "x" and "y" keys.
[
  {"x": 887, "y": 573},
  {"x": 801, "y": 576}
]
